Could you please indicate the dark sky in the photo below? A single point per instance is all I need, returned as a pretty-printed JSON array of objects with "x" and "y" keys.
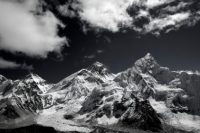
[{"x": 178, "y": 50}]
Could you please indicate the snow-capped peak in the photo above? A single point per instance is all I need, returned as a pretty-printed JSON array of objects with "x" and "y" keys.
[
  {"x": 96, "y": 70},
  {"x": 100, "y": 70},
  {"x": 2, "y": 78},
  {"x": 148, "y": 56},
  {"x": 40, "y": 82},
  {"x": 36, "y": 78},
  {"x": 147, "y": 64},
  {"x": 139, "y": 95},
  {"x": 97, "y": 66}
]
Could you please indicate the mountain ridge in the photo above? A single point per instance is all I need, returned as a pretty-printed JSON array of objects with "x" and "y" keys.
[{"x": 138, "y": 97}]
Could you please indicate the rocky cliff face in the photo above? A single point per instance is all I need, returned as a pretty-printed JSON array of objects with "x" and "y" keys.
[
  {"x": 23, "y": 97},
  {"x": 146, "y": 96},
  {"x": 117, "y": 107}
]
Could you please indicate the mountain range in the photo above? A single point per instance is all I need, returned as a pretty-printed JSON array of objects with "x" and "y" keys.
[{"x": 144, "y": 98}]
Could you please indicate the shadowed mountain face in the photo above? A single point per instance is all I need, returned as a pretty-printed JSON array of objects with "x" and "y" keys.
[{"x": 145, "y": 97}]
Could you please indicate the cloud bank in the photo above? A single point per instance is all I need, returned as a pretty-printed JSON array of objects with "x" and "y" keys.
[
  {"x": 26, "y": 28},
  {"x": 5, "y": 64},
  {"x": 142, "y": 16},
  {"x": 108, "y": 14}
]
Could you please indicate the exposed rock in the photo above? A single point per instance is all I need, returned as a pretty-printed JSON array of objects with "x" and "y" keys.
[
  {"x": 127, "y": 110},
  {"x": 145, "y": 96}
]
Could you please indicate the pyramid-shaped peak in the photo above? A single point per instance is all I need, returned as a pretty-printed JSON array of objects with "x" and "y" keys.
[
  {"x": 34, "y": 77},
  {"x": 99, "y": 68},
  {"x": 2, "y": 78},
  {"x": 146, "y": 63},
  {"x": 148, "y": 56}
]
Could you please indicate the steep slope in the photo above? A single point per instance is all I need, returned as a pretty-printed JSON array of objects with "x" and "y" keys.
[
  {"x": 30, "y": 95},
  {"x": 2, "y": 78},
  {"x": 23, "y": 98},
  {"x": 173, "y": 94},
  {"x": 5, "y": 86},
  {"x": 111, "y": 107},
  {"x": 81, "y": 83},
  {"x": 98, "y": 100}
]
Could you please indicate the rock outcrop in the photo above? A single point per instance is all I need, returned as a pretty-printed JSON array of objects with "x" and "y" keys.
[{"x": 146, "y": 96}]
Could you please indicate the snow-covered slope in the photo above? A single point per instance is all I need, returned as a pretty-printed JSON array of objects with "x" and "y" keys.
[
  {"x": 146, "y": 96},
  {"x": 23, "y": 98},
  {"x": 81, "y": 83},
  {"x": 175, "y": 94},
  {"x": 119, "y": 107}
]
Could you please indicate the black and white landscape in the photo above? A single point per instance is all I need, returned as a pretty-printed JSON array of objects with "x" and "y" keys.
[
  {"x": 99, "y": 66},
  {"x": 144, "y": 98}
]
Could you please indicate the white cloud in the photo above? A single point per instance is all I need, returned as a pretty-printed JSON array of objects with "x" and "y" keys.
[
  {"x": 106, "y": 14},
  {"x": 5, "y": 64},
  {"x": 143, "y": 13},
  {"x": 25, "y": 28},
  {"x": 177, "y": 7},
  {"x": 65, "y": 10},
  {"x": 170, "y": 20},
  {"x": 151, "y": 3},
  {"x": 155, "y": 3},
  {"x": 142, "y": 16}
]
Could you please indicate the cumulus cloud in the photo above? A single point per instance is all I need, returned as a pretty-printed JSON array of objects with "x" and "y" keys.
[
  {"x": 143, "y": 16},
  {"x": 26, "y": 28},
  {"x": 106, "y": 14},
  {"x": 5, "y": 64}
]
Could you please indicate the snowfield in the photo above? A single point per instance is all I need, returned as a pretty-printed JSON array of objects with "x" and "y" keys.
[{"x": 181, "y": 121}]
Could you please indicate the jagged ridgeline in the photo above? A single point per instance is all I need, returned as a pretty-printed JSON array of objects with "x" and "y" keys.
[{"x": 144, "y": 98}]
